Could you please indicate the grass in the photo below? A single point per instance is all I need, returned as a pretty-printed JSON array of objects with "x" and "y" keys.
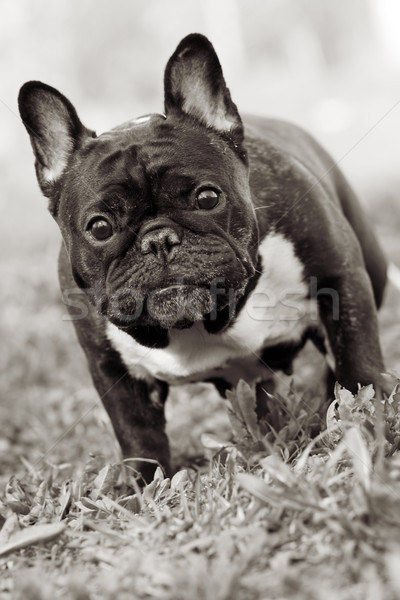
[{"x": 275, "y": 513}]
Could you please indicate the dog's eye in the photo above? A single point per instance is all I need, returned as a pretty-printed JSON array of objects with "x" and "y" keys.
[
  {"x": 100, "y": 229},
  {"x": 207, "y": 199}
]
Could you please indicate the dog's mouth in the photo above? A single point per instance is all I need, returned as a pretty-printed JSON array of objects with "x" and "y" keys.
[{"x": 178, "y": 306}]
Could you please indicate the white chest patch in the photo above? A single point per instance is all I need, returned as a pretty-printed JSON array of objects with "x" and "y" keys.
[{"x": 276, "y": 311}]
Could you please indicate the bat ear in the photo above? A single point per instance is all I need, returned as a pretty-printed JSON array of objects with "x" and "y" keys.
[
  {"x": 195, "y": 86},
  {"x": 54, "y": 129}
]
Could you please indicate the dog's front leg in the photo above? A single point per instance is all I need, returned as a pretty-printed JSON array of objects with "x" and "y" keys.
[
  {"x": 347, "y": 309},
  {"x": 136, "y": 410}
]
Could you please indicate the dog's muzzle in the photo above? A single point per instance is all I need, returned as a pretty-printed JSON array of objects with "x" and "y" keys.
[{"x": 179, "y": 305}]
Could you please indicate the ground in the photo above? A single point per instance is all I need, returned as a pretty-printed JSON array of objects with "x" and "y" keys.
[{"x": 276, "y": 514}]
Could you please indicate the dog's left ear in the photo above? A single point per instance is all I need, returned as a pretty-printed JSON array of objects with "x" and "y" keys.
[{"x": 194, "y": 85}]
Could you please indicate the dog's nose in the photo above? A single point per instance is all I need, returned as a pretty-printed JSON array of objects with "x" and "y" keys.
[{"x": 161, "y": 241}]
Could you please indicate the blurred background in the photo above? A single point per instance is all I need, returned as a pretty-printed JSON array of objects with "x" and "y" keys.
[{"x": 332, "y": 67}]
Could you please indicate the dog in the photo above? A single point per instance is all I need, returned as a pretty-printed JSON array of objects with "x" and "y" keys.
[{"x": 200, "y": 247}]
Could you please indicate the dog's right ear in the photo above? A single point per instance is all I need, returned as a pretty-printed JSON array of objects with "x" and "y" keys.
[{"x": 54, "y": 129}]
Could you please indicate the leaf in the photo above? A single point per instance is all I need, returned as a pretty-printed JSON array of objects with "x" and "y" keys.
[
  {"x": 244, "y": 404},
  {"x": 247, "y": 404},
  {"x": 162, "y": 488},
  {"x": 133, "y": 504},
  {"x": 357, "y": 447},
  {"x": 211, "y": 443},
  {"x": 394, "y": 400},
  {"x": 40, "y": 496},
  {"x": 150, "y": 489},
  {"x": 333, "y": 423},
  {"x": 277, "y": 469},
  {"x": 358, "y": 409},
  {"x": 392, "y": 562},
  {"x": 345, "y": 402},
  {"x": 179, "y": 480},
  {"x": 364, "y": 398},
  {"x": 64, "y": 500},
  {"x": 32, "y": 535},
  {"x": 158, "y": 474},
  {"x": 10, "y": 527},
  {"x": 84, "y": 505},
  {"x": 105, "y": 481},
  {"x": 16, "y": 498},
  {"x": 256, "y": 486},
  {"x": 237, "y": 423},
  {"x": 42, "y": 503},
  {"x": 283, "y": 498},
  {"x": 108, "y": 504},
  {"x": 392, "y": 410}
]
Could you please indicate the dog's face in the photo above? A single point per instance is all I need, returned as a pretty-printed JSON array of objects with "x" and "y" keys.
[{"x": 156, "y": 214}]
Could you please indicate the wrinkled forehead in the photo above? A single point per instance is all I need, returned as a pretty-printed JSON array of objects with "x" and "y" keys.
[{"x": 145, "y": 148}]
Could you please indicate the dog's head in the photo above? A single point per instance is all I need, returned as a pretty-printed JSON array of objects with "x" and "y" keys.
[{"x": 156, "y": 214}]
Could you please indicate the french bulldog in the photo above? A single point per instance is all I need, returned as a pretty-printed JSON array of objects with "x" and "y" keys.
[{"x": 198, "y": 246}]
